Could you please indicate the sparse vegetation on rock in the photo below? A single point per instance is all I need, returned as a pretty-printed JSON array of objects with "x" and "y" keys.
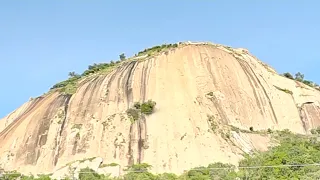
[
  {"x": 212, "y": 122},
  {"x": 300, "y": 77},
  {"x": 315, "y": 131},
  {"x": 108, "y": 165},
  {"x": 284, "y": 90},
  {"x": 76, "y": 126},
  {"x": 156, "y": 49}
]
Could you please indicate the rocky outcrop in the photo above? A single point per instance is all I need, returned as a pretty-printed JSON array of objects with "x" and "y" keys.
[{"x": 197, "y": 87}]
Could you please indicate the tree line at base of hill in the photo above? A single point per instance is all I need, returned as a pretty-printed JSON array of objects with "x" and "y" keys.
[{"x": 295, "y": 157}]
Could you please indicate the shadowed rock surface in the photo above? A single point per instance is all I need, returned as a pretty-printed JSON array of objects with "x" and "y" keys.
[{"x": 201, "y": 90}]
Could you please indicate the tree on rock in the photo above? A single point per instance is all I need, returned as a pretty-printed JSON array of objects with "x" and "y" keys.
[
  {"x": 122, "y": 57},
  {"x": 299, "y": 76},
  {"x": 288, "y": 75}
]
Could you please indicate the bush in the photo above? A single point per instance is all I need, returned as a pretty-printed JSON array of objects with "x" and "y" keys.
[
  {"x": 251, "y": 128},
  {"x": 148, "y": 107},
  {"x": 139, "y": 171},
  {"x": 288, "y": 75},
  {"x": 134, "y": 114},
  {"x": 89, "y": 174}
]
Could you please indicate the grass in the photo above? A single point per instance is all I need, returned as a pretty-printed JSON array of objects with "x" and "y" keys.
[
  {"x": 108, "y": 165},
  {"x": 77, "y": 126},
  {"x": 156, "y": 49},
  {"x": 284, "y": 90},
  {"x": 90, "y": 159}
]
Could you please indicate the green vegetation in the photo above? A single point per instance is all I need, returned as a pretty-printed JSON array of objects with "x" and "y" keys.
[
  {"x": 292, "y": 151},
  {"x": 108, "y": 165},
  {"x": 134, "y": 114},
  {"x": 288, "y": 75},
  {"x": 122, "y": 57},
  {"x": 87, "y": 159},
  {"x": 156, "y": 49},
  {"x": 76, "y": 126},
  {"x": 300, "y": 77},
  {"x": 89, "y": 174},
  {"x": 148, "y": 107},
  {"x": 212, "y": 122},
  {"x": 138, "y": 109},
  {"x": 315, "y": 131},
  {"x": 70, "y": 85},
  {"x": 284, "y": 90},
  {"x": 14, "y": 175},
  {"x": 279, "y": 162}
]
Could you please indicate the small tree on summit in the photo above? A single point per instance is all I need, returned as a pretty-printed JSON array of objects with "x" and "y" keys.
[
  {"x": 299, "y": 76},
  {"x": 122, "y": 57},
  {"x": 72, "y": 74}
]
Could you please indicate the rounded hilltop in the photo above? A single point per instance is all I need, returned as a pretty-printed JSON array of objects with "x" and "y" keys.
[{"x": 169, "y": 106}]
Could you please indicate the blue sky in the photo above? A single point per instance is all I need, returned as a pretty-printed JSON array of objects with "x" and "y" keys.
[{"x": 41, "y": 41}]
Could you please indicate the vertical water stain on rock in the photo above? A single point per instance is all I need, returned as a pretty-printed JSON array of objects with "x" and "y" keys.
[
  {"x": 57, "y": 152},
  {"x": 253, "y": 78},
  {"x": 40, "y": 133},
  {"x": 11, "y": 127},
  {"x": 130, "y": 151}
]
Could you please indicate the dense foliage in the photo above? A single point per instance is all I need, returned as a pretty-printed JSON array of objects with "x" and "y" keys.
[{"x": 291, "y": 159}]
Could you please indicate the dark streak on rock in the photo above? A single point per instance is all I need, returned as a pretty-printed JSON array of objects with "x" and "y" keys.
[
  {"x": 93, "y": 90},
  {"x": 130, "y": 151},
  {"x": 143, "y": 79},
  {"x": 66, "y": 107},
  {"x": 303, "y": 115},
  {"x": 265, "y": 92},
  {"x": 142, "y": 137},
  {"x": 18, "y": 120},
  {"x": 75, "y": 145},
  {"x": 122, "y": 77},
  {"x": 220, "y": 110},
  {"x": 128, "y": 83},
  {"x": 40, "y": 134},
  {"x": 110, "y": 81},
  {"x": 250, "y": 79},
  {"x": 83, "y": 95}
]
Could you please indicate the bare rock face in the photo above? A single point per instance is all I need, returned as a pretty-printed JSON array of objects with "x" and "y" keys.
[{"x": 204, "y": 92}]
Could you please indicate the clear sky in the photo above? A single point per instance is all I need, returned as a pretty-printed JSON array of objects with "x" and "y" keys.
[{"x": 41, "y": 41}]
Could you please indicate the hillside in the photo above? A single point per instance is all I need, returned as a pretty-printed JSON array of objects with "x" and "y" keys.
[{"x": 212, "y": 104}]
